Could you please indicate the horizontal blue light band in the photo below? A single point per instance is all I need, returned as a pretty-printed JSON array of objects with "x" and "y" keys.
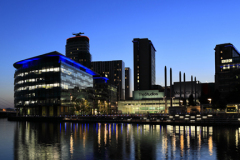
[
  {"x": 77, "y": 64},
  {"x": 232, "y": 46},
  {"x": 27, "y": 60},
  {"x": 61, "y": 58},
  {"x": 102, "y": 78}
]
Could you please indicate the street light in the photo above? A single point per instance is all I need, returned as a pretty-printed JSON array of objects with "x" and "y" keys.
[
  {"x": 181, "y": 101},
  {"x": 165, "y": 99},
  {"x": 172, "y": 100},
  {"x": 209, "y": 99},
  {"x": 109, "y": 106},
  {"x": 201, "y": 107}
]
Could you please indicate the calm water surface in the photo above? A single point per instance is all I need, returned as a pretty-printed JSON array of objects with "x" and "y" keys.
[{"x": 29, "y": 140}]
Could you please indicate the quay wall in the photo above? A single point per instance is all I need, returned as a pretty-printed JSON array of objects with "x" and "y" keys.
[{"x": 186, "y": 119}]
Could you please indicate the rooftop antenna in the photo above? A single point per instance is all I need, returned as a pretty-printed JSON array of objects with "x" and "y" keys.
[{"x": 78, "y": 34}]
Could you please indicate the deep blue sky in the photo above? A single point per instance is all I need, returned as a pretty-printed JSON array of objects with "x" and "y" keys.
[{"x": 184, "y": 33}]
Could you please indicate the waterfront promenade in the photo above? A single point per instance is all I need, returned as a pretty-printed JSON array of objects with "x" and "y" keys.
[{"x": 177, "y": 119}]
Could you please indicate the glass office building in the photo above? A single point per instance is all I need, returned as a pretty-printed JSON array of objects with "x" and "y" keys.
[
  {"x": 47, "y": 84},
  {"x": 146, "y": 101}
]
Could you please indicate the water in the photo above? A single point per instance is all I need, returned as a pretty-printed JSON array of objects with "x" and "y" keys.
[{"x": 29, "y": 140}]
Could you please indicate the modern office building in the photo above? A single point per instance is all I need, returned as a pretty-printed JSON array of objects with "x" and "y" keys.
[
  {"x": 45, "y": 85},
  {"x": 227, "y": 68},
  {"x": 147, "y": 101},
  {"x": 105, "y": 96},
  {"x": 115, "y": 72},
  {"x": 144, "y": 64},
  {"x": 127, "y": 83},
  {"x": 77, "y": 49}
]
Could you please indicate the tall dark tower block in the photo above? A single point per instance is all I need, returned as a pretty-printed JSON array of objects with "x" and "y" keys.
[
  {"x": 144, "y": 64},
  {"x": 227, "y": 68},
  {"x": 77, "y": 48},
  {"x": 127, "y": 83},
  {"x": 115, "y": 72}
]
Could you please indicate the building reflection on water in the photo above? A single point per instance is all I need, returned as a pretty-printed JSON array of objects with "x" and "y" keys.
[{"x": 123, "y": 141}]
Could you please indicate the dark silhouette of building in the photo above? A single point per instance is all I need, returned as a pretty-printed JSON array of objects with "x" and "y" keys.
[
  {"x": 127, "y": 83},
  {"x": 77, "y": 49},
  {"x": 144, "y": 64},
  {"x": 227, "y": 68},
  {"x": 115, "y": 72}
]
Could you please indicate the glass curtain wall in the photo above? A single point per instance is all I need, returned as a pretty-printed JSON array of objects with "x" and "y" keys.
[{"x": 75, "y": 85}]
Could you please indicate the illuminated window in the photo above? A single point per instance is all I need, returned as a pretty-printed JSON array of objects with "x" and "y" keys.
[
  {"x": 226, "y": 61},
  {"x": 221, "y": 51},
  {"x": 77, "y": 48},
  {"x": 137, "y": 66},
  {"x": 138, "y": 81},
  {"x": 70, "y": 52},
  {"x": 125, "y": 77}
]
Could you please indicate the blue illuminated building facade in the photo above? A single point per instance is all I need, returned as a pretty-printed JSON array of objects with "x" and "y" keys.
[{"x": 47, "y": 84}]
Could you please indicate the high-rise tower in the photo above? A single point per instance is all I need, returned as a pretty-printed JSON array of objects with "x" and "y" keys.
[
  {"x": 127, "y": 83},
  {"x": 115, "y": 72},
  {"x": 144, "y": 64},
  {"x": 227, "y": 68},
  {"x": 77, "y": 48}
]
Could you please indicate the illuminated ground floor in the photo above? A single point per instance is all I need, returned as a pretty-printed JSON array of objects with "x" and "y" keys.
[
  {"x": 43, "y": 110},
  {"x": 65, "y": 110},
  {"x": 146, "y": 106}
]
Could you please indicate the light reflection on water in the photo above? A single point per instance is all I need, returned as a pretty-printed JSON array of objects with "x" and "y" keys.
[{"x": 123, "y": 141}]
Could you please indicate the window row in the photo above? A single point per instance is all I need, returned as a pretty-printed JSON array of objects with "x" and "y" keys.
[
  {"x": 56, "y": 69},
  {"x": 30, "y": 80},
  {"x": 46, "y": 86}
]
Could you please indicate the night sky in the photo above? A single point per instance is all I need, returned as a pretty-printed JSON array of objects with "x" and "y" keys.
[{"x": 184, "y": 33}]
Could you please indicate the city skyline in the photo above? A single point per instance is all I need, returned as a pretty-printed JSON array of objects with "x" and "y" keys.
[{"x": 184, "y": 33}]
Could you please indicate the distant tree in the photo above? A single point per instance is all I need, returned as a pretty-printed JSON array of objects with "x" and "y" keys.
[
  {"x": 81, "y": 105},
  {"x": 72, "y": 110},
  {"x": 191, "y": 100}
]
